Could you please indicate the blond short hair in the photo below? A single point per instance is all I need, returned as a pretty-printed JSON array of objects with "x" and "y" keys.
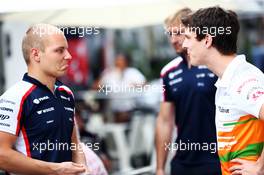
[
  {"x": 35, "y": 37},
  {"x": 175, "y": 19}
]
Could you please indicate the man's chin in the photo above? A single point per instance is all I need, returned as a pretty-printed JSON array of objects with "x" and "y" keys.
[
  {"x": 179, "y": 50},
  {"x": 194, "y": 63},
  {"x": 61, "y": 73}
]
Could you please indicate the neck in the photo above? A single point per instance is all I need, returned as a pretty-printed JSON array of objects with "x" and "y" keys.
[
  {"x": 218, "y": 63},
  {"x": 187, "y": 59},
  {"x": 49, "y": 81}
]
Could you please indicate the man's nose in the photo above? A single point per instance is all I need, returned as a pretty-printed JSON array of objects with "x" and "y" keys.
[
  {"x": 184, "y": 44},
  {"x": 68, "y": 55},
  {"x": 173, "y": 39}
]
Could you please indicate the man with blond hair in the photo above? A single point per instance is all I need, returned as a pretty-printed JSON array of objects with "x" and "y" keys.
[
  {"x": 188, "y": 102},
  {"x": 37, "y": 129}
]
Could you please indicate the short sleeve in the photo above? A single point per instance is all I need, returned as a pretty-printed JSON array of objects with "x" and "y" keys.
[
  {"x": 134, "y": 76},
  {"x": 9, "y": 115},
  {"x": 12, "y": 105},
  {"x": 249, "y": 94},
  {"x": 166, "y": 95},
  {"x": 167, "y": 92}
]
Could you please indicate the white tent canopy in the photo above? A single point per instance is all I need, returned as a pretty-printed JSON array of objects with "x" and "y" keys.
[
  {"x": 101, "y": 13},
  {"x": 111, "y": 13},
  {"x": 115, "y": 16}
]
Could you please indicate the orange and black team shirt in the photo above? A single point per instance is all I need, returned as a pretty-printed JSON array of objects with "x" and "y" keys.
[{"x": 239, "y": 97}]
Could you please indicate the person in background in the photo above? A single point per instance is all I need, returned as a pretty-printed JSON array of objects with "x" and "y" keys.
[
  {"x": 188, "y": 102},
  {"x": 119, "y": 79},
  {"x": 258, "y": 54}
]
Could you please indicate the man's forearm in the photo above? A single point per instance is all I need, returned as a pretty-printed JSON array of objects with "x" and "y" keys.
[
  {"x": 78, "y": 155},
  {"x": 163, "y": 137},
  {"x": 15, "y": 162},
  {"x": 261, "y": 162}
]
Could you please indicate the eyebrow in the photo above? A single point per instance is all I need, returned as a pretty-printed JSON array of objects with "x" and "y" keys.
[
  {"x": 60, "y": 47},
  {"x": 186, "y": 36}
]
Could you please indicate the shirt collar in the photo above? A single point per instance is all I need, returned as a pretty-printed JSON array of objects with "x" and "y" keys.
[
  {"x": 230, "y": 71},
  {"x": 34, "y": 81}
]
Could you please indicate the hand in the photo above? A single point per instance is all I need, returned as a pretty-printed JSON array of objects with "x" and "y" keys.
[
  {"x": 245, "y": 167},
  {"x": 87, "y": 170},
  {"x": 160, "y": 172},
  {"x": 69, "y": 168}
]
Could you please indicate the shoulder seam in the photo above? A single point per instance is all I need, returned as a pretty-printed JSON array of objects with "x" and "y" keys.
[{"x": 173, "y": 64}]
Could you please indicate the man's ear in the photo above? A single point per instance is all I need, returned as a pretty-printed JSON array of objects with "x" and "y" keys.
[
  {"x": 35, "y": 54},
  {"x": 208, "y": 40}
]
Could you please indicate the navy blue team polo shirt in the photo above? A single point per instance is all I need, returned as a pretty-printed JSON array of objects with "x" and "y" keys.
[
  {"x": 192, "y": 91},
  {"x": 42, "y": 120}
]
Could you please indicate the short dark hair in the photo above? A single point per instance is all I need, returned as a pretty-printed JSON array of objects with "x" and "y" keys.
[
  {"x": 215, "y": 18},
  {"x": 126, "y": 56}
]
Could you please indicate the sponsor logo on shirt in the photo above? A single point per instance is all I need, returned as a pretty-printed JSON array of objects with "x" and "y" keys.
[
  {"x": 4, "y": 117},
  {"x": 201, "y": 75},
  {"x": 6, "y": 109},
  {"x": 50, "y": 121},
  {"x": 202, "y": 67},
  {"x": 68, "y": 109},
  {"x": 245, "y": 83},
  {"x": 45, "y": 110},
  {"x": 178, "y": 80},
  {"x": 174, "y": 89},
  {"x": 5, "y": 124},
  {"x": 38, "y": 100},
  {"x": 65, "y": 98},
  {"x": 255, "y": 93},
  {"x": 200, "y": 84},
  {"x": 7, "y": 101},
  {"x": 175, "y": 73},
  {"x": 211, "y": 75},
  {"x": 223, "y": 110}
]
